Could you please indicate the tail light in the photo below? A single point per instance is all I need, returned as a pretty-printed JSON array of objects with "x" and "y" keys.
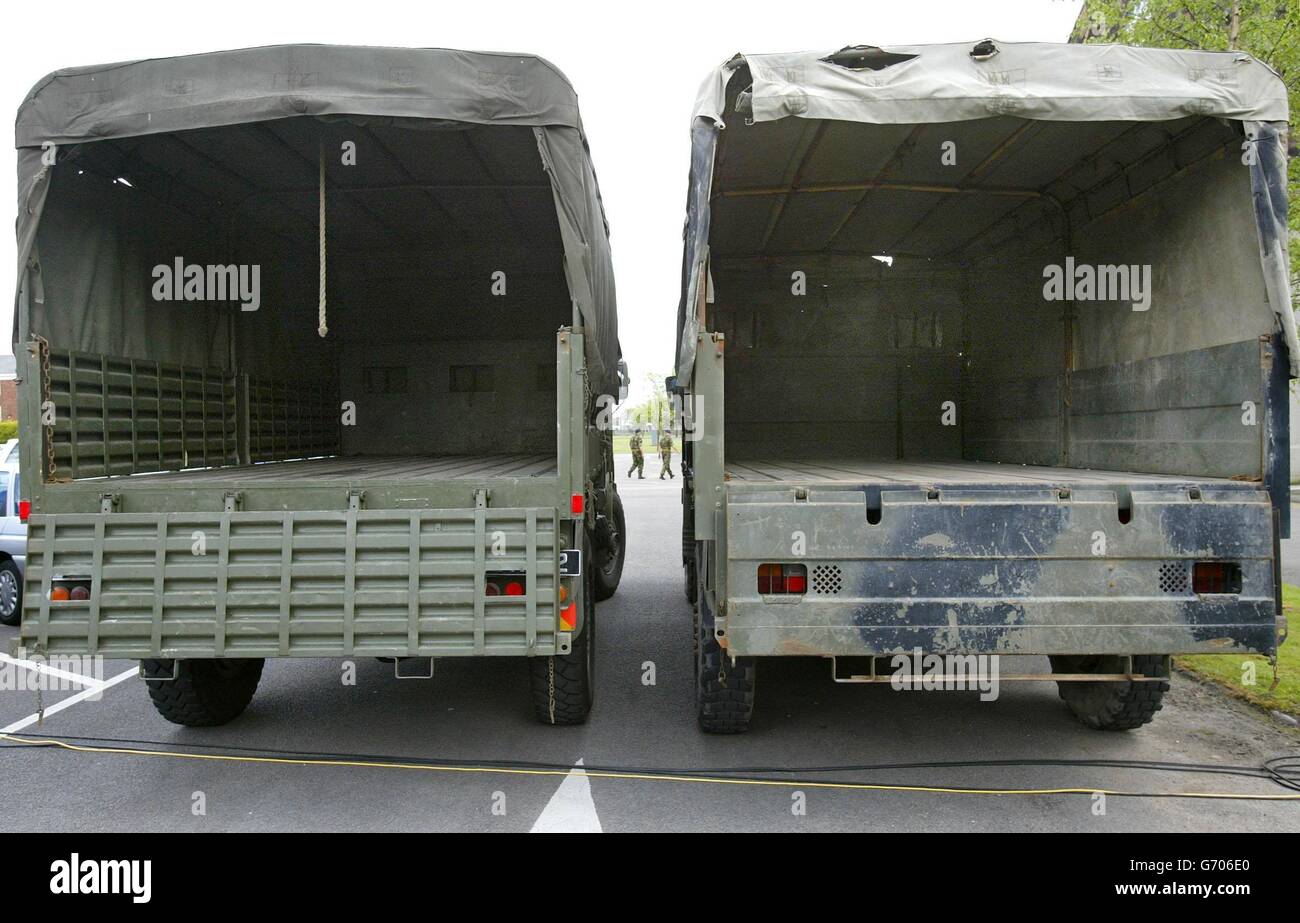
[
  {"x": 505, "y": 583},
  {"x": 24, "y": 509},
  {"x": 577, "y": 504},
  {"x": 69, "y": 587},
  {"x": 782, "y": 579},
  {"x": 1216, "y": 577}
]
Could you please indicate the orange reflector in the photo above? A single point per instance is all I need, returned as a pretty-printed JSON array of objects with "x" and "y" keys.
[
  {"x": 569, "y": 617},
  {"x": 60, "y": 593},
  {"x": 577, "y": 504}
]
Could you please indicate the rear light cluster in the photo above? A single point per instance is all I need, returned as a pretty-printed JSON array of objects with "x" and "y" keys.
[
  {"x": 1216, "y": 577},
  {"x": 65, "y": 589},
  {"x": 775, "y": 579},
  {"x": 515, "y": 583},
  {"x": 505, "y": 583}
]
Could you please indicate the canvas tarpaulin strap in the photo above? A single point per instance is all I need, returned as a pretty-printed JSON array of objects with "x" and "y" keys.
[
  {"x": 86, "y": 104},
  {"x": 918, "y": 84}
]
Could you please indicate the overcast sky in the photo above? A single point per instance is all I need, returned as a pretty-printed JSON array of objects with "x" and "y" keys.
[{"x": 636, "y": 68}]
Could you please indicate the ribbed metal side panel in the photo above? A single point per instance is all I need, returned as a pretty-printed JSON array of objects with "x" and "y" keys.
[
  {"x": 118, "y": 416},
  {"x": 292, "y": 419},
  {"x": 310, "y": 584},
  {"x": 125, "y": 416}
]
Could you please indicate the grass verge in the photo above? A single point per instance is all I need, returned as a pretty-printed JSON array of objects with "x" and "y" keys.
[{"x": 1230, "y": 670}]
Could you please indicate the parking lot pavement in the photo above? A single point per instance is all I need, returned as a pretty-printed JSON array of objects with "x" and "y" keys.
[{"x": 478, "y": 711}]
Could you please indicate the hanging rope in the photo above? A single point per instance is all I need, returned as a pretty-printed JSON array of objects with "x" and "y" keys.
[{"x": 322, "y": 329}]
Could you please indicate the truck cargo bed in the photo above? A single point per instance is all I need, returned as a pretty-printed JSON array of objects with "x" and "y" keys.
[
  {"x": 937, "y": 472},
  {"x": 352, "y": 467}
]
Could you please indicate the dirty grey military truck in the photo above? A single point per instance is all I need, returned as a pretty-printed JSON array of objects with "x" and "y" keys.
[
  {"x": 984, "y": 350},
  {"x": 316, "y": 346}
]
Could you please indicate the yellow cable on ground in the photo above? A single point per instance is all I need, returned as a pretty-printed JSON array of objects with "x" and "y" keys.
[{"x": 646, "y": 777}]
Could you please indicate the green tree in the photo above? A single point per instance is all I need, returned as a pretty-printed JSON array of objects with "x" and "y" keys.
[
  {"x": 655, "y": 409},
  {"x": 1267, "y": 29}
]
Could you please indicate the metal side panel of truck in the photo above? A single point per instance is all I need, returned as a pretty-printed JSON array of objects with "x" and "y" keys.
[
  {"x": 900, "y": 440},
  {"x": 411, "y": 467}
]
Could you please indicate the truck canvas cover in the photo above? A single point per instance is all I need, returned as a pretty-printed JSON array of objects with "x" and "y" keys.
[
  {"x": 139, "y": 98},
  {"x": 914, "y": 84}
]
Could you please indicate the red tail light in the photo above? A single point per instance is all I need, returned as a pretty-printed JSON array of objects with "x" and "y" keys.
[
  {"x": 1216, "y": 577},
  {"x": 24, "y": 509},
  {"x": 577, "y": 504},
  {"x": 505, "y": 583},
  {"x": 775, "y": 579}
]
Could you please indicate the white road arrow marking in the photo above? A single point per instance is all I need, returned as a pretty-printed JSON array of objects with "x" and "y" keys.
[
  {"x": 54, "y": 672},
  {"x": 571, "y": 809},
  {"x": 92, "y": 694}
]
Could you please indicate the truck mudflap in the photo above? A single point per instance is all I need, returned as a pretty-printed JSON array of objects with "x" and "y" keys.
[
  {"x": 281, "y": 584},
  {"x": 1006, "y": 570}
]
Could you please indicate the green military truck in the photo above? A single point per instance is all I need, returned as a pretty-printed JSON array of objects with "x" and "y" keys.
[
  {"x": 984, "y": 350},
  {"x": 317, "y": 346}
]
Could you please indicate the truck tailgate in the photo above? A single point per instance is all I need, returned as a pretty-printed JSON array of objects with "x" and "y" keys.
[
  {"x": 318, "y": 584},
  {"x": 1010, "y": 569}
]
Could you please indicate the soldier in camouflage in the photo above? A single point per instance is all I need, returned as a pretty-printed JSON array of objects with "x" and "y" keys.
[
  {"x": 666, "y": 454},
  {"x": 638, "y": 458}
]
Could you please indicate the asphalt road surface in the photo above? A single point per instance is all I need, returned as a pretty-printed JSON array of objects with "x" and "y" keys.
[{"x": 479, "y": 711}]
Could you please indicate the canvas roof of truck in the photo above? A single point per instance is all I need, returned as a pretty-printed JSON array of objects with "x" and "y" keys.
[
  {"x": 227, "y": 88},
  {"x": 1032, "y": 114}
]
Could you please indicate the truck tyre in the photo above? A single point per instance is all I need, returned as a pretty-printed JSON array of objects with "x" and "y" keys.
[
  {"x": 563, "y": 685},
  {"x": 724, "y": 689},
  {"x": 1112, "y": 706},
  {"x": 610, "y": 571},
  {"x": 205, "y": 693},
  {"x": 11, "y": 593}
]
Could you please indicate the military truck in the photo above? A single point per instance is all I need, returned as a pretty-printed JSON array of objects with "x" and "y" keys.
[
  {"x": 316, "y": 346},
  {"x": 984, "y": 350}
]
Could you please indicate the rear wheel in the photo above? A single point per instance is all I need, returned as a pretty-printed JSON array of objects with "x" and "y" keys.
[
  {"x": 11, "y": 593},
  {"x": 563, "y": 686},
  {"x": 724, "y": 688},
  {"x": 205, "y": 693},
  {"x": 610, "y": 567},
  {"x": 1113, "y": 706}
]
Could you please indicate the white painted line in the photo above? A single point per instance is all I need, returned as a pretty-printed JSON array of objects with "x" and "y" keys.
[
  {"x": 92, "y": 693},
  {"x": 571, "y": 809},
  {"x": 46, "y": 670}
]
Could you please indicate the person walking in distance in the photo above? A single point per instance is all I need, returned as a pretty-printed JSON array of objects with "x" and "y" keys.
[
  {"x": 638, "y": 458},
  {"x": 666, "y": 454}
]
